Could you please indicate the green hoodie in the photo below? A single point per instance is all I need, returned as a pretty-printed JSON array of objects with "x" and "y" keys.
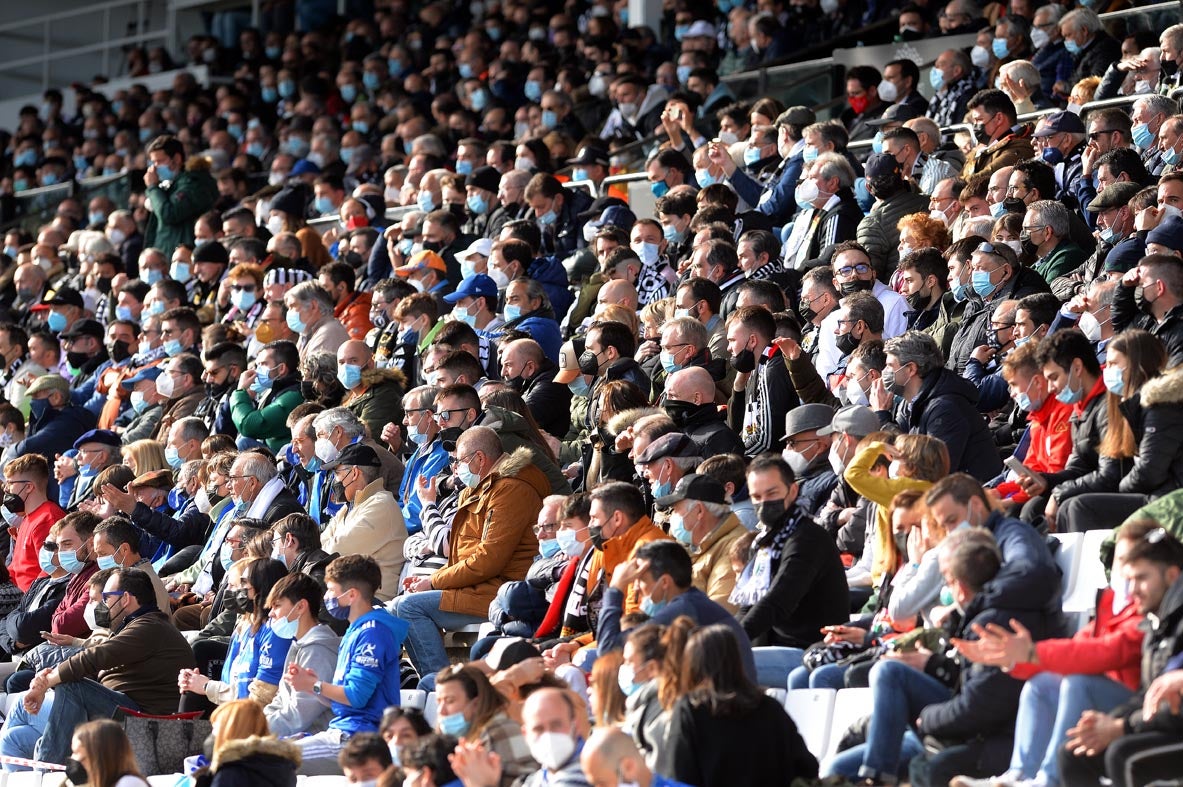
[{"x": 175, "y": 210}]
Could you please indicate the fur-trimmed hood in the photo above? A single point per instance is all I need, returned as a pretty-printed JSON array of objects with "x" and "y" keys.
[
  {"x": 244, "y": 748},
  {"x": 199, "y": 164},
  {"x": 512, "y": 464},
  {"x": 626, "y": 418},
  {"x": 375, "y": 376},
  {"x": 1165, "y": 389}
]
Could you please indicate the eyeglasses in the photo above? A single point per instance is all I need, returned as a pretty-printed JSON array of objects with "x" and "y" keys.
[
  {"x": 1035, "y": 228},
  {"x": 545, "y": 527},
  {"x": 243, "y": 287},
  {"x": 112, "y": 594},
  {"x": 793, "y": 442},
  {"x": 445, "y": 416},
  {"x": 1096, "y": 134},
  {"x": 456, "y": 460},
  {"x": 675, "y": 347},
  {"x": 848, "y": 322},
  {"x": 862, "y": 269}
]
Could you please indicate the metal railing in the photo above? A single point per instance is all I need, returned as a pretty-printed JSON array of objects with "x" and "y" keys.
[{"x": 81, "y": 22}]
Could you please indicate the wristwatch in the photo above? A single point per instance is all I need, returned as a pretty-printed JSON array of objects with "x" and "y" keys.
[{"x": 316, "y": 688}]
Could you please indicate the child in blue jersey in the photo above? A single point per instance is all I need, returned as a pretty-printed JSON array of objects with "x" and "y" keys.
[
  {"x": 367, "y": 679},
  {"x": 256, "y": 655}
]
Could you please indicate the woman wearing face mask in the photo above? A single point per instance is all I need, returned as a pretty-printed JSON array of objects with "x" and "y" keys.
[
  {"x": 648, "y": 677},
  {"x": 241, "y": 300},
  {"x": 1145, "y": 423},
  {"x": 402, "y": 727},
  {"x": 101, "y": 756},
  {"x": 724, "y": 729},
  {"x": 917, "y": 462},
  {"x": 254, "y": 661},
  {"x": 471, "y": 709},
  {"x": 244, "y": 753},
  {"x": 621, "y": 404}
]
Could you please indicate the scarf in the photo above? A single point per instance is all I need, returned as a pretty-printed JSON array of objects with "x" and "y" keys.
[
  {"x": 756, "y": 579},
  {"x": 265, "y": 498},
  {"x": 575, "y": 614}
]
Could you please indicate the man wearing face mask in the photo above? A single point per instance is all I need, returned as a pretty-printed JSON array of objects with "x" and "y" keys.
[
  {"x": 266, "y": 394},
  {"x": 1090, "y": 312},
  {"x": 923, "y": 283},
  {"x": 807, "y": 453},
  {"x": 54, "y": 424},
  {"x": 662, "y": 462},
  {"x": 177, "y": 191},
  {"x": 295, "y": 604},
  {"x": 1150, "y": 297},
  {"x": 429, "y": 456},
  {"x": 75, "y": 554},
  {"x": 224, "y": 363},
  {"x": 794, "y": 583},
  {"x": 85, "y": 353},
  {"x": 310, "y": 315},
  {"x": 492, "y": 543},
  {"x": 550, "y": 729},
  {"x": 27, "y": 477},
  {"x": 1002, "y": 140},
  {"x": 338, "y": 428},
  {"x": 140, "y": 419},
  {"x": 938, "y": 403},
  {"x": 179, "y": 385},
  {"x": 701, "y": 520},
  {"x": 63, "y": 309},
  {"x": 374, "y": 395},
  {"x": 116, "y": 546},
  {"x": 1118, "y": 238},
  {"x": 756, "y": 414},
  {"x": 136, "y": 667},
  {"x": 864, "y": 103},
  {"x": 953, "y": 81},
  {"x": 878, "y": 232},
  {"x": 75, "y": 472},
  {"x": 525, "y": 367},
  {"x": 371, "y": 523},
  {"x": 690, "y": 401},
  {"x": 1148, "y": 115},
  {"x": 1041, "y": 418}
]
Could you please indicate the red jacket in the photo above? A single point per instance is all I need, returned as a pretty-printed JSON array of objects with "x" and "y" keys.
[
  {"x": 1110, "y": 645},
  {"x": 1051, "y": 436},
  {"x": 25, "y": 566}
]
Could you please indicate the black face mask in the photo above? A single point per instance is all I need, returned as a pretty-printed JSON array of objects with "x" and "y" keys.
[
  {"x": 806, "y": 312},
  {"x": 102, "y": 615},
  {"x": 846, "y": 342},
  {"x": 336, "y": 491},
  {"x": 858, "y": 285},
  {"x": 1143, "y": 303},
  {"x": 992, "y": 340},
  {"x": 589, "y": 363},
  {"x": 918, "y": 301},
  {"x": 596, "y": 535},
  {"x": 1028, "y": 245},
  {"x": 76, "y": 772},
  {"x": 770, "y": 513},
  {"x": 216, "y": 391},
  {"x": 1014, "y": 205},
  {"x": 354, "y": 259},
  {"x": 77, "y": 359},
  {"x": 14, "y": 503},
  {"x": 238, "y": 601},
  {"x": 103, "y": 284},
  {"x": 119, "y": 351},
  {"x": 980, "y": 133},
  {"x": 681, "y": 412},
  {"x": 1169, "y": 67},
  {"x": 743, "y": 361},
  {"x": 432, "y": 245},
  {"x": 517, "y": 383}
]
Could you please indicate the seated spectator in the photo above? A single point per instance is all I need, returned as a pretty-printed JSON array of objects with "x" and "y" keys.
[
  {"x": 295, "y": 605},
  {"x": 366, "y": 679},
  {"x": 702, "y": 521},
  {"x": 244, "y": 749},
  {"x": 429, "y": 760},
  {"x": 135, "y": 668},
  {"x": 21, "y": 628},
  {"x": 297, "y": 545},
  {"x": 27, "y": 478},
  {"x": 364, "y": 758},
  {"x": 470, "y": 708}
]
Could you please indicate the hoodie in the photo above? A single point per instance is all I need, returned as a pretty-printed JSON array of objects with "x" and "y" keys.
[
  {"x": 946, "y": 408},
  {"x": 368, "y": 671},
  {"x": 290, "y": 711}
]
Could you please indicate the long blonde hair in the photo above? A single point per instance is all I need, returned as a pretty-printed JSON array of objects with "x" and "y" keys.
[{"x": 108, "y": 753}]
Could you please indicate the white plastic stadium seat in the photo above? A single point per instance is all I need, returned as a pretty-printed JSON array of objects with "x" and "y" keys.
[
  {"x": 430, "y": 712},
  {"x": 24, "y": 779},
  {"x": 780, "y": 695},
  {"x": 413, "y": 698},
  {"x": 1068, "y": 559},
  {"x": 53, "y": 779},
  {"x": 1090, "y": 576},
  {"x": 164, "y": 779},
  {"x": 850, "y": 705},
  {"x": 812, "y": 710}
]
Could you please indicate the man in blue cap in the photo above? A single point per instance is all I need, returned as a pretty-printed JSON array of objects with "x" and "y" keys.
[
  {"x": 475, "y": 302},
  {"x": 1064, "y": 140},
  {"x": 75, "y": 470},
  {"x": 147, "y": 406}
]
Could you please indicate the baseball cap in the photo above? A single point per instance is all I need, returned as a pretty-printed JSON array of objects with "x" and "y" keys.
[
  {"x": 476, "y": 284},
  {"x": 355, "y": 455},
  {"x": 694, "y": 486}
]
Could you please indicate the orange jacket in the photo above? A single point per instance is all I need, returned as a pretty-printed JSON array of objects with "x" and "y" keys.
[
  {"x": 1051, "y": 436},
  {"x": 617, "y": 550},
  {"x": 354, "y": 314}
]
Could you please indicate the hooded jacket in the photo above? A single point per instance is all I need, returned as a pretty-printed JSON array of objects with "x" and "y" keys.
[
  {"x": 255, "y": 761},
  {"x": 1157, "y": 422},
  {"x": 492, "y": 540},
  {"x": 174, "y": 210},
  {"x": 879, "y": 232},
  {"x": 354, "y": 314},
  {"x": 704, "y": 425},
  {"x": 368, "y": 671},
  {"x": 291, "y": 711},
  {"x": 512, "y": 429},
  {"x": 379, "y": 399},
  {"x": 946, "y": 408},
  {"x": 266, "y": 418},
  {"x": 549, "y": 271}
]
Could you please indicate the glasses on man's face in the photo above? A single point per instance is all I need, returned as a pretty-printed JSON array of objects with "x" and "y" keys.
[
  {"x": 445, "y": 416},
  {"x": 545, "y": 527},
  {"x": 862, "y": 269},
  {"x": 457, "y": 460},
  {"x": 111, "y": 594}
]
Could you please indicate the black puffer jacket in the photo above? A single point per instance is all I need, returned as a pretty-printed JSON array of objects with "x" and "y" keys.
[
  {"x": 1156, "y": 419},
  {"x": 251, "y": 762},
  {"x": 947, "y": 408},
  {"x": 976, "y": 319}
]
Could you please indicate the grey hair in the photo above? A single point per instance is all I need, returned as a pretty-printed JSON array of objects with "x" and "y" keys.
[
  {"x": 429, "y": 144},
  {"x": 319, "y": 365},
  {"x": 687, "y": 329},
  {"x": 1102, "y": 292},
  {"x": 918, "y": 348},
  {"x": 1083, "y": 19},
  {"x": 717, "y": 510},
  {"x": 423, "y": 394},
  {"x": 835, "y": 165},
  {"x": 1054, "y": 11},
  {"x": 1174, "y": 34},
  {"x": 961, "y": 60},
  {"x": 188, "y": 471},
  {"x": 342, "y": 417},
  {"x": 310, "y": 292},
  {"x": 192, "y": 428},
  {"x": 1022, "y": 71},
  {"x": 535, "y": 292},
  {"x": 257, "y": 466},
  {"x": 1053, "y": 214},
  {"x": 1016, "y": 24},
  {"x": 1159, "y": 105}
]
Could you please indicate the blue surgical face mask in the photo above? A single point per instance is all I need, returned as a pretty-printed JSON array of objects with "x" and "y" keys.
[
  {"x": 349, "y": 375},
  {"x": 1000, "y": 48},
  {"x": 936, "y": 78},
  {"x": 1072, "y": 47},
  {"x": 323, "y": 205},
  {"x": 668, "y": 363},
  {"x": 877, "y": 142},
  {"x": 548, "y": 547},
  {"x": 704, "y": 178},
  {"x": 550, "y": 118},
  {"x": 671, "y": 233},
  {"x": 579, "y": 386},
  {"x": 165, "y": 172},
  {"x": 106, "y": 562},
  {"x": 751, "y": 156},
  {"x": 678, "y": 530},
  {"x": 455, "y": 725},
  {"x": 626, "y": 678},
  {"x": 1114, "y": 377},
  {"x": 466, "y": 476},
  {"x": 173, "y": 348},
  {"x": 243, "y": 299},
  {"x": 425, "y": 201},
  {"x": 173, "y": 457},
  {"x": 1070, "y": 395},
  {"x": 333, "y": 607},
  {"x": 180, "y": 271},
  {"x": 284, "y": 628},
  {"x": 57, "y": 322},
  {"x": 68, "y": 558},
  {"x": 652, "y": 608},
  {"x": 982, "y": 284},
  {"x": 477, "y": 204},
  {"x": 45, "y": 560},
  {"x": 123, "y": 313},
  {"x": 548, "y": 218},
  {"x": 294, "y": 322},
  {"x": 1142, "y": 135}
]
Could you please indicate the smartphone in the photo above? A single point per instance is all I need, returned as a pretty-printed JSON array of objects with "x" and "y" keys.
[{"x": 1020, "y": 468}]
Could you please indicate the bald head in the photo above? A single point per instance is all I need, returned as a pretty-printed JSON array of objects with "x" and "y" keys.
[
  {"x": 522, "y": 358},
  {"x": 354, "y": 353},
  {"x": 691, "y": 385},
  {"x": 548, "y": 710},
  {"x": 480, "y": 447},
  {"x": 620, "y": 292},
  {"x": 610, "y": 757}
]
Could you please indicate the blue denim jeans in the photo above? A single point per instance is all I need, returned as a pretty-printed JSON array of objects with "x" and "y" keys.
[
  {"x": 21, "y": 730},
  {"x": 1049, "y": 706},
  {"x": 848, "y": 763},
  {"x": 898, "y": 694},
  {"x": 774, "y": 663},
  {"x": 73, "y": 704},
  {"x": 425, "y": 643}
]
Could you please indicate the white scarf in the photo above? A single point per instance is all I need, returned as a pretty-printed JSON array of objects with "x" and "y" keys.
[{"x": 264, "y": 499}]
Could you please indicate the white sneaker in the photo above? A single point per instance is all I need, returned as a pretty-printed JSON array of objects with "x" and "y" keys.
[{"x": 969, "y": 781}]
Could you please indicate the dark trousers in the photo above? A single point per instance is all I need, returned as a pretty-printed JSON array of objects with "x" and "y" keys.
[
  {"x": 1130, "y": 761},
  {"x": 977, "y": 759},
  {"x": 1097, "y": 511}
]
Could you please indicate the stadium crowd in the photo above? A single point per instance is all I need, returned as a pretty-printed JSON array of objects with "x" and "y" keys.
[{"x": 810, "y": 422}]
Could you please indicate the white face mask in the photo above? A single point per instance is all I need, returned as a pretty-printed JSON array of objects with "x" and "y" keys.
[
  {"x": 836, "y": 463},
  {"x": 275, "y": 225},
  {"x": 202, "y": 501},
  {"x": 1090, "y": 326},
  {"x": 888, "y": 91},
  {"x": 552, "y": 750},
  {"x": 796, "y": 460},
  {"x": 88, "y": 615}
]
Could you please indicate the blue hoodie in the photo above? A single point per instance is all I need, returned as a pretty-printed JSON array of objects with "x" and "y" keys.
[
  {"x": 550, "y": 273},
  {"x": 254, "y": 655},
  {"x": 368, "y": 670}
]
